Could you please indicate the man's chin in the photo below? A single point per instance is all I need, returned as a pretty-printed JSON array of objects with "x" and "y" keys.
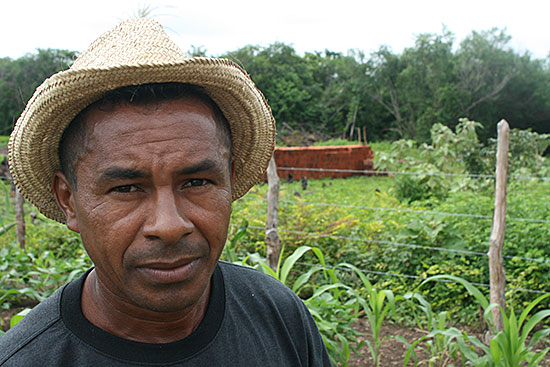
[{"x": 170, "y": 298}]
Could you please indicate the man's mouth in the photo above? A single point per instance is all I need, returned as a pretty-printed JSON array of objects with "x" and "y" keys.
[{"x": 170, "y": 272}]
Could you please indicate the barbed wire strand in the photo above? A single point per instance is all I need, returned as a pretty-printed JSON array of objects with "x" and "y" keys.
[
  {"x": 431, "y": 212},
  {"x": 402, "y": 244},
  {"x": 377, "y": 272},
  {"x": 396, "y": 173}
]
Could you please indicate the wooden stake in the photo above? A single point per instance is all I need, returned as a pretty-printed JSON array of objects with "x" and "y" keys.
[
  {"x": 20, "y": 219},
  {"x": 272, "y": 239},
  {"x": 496, "y": 267}
]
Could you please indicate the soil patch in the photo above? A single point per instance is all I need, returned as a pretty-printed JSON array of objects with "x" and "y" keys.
[
  {"x": 6, "y": 315},
  {"x": 393, "y": 351}
]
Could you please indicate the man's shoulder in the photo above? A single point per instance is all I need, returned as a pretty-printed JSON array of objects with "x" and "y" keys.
[
  {"x": 243, "y": 276},
  {"x": 33, "y": 325},
  {"x": 272, "y": 315},
  {"x": 251, "y": 284}
]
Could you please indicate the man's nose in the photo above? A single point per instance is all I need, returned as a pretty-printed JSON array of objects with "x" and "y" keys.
[{"x": 166, "y": 221}]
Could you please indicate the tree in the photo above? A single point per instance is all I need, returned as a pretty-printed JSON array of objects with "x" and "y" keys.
[
  {"x": 416, "y": 87},
  {"x": 283, "y": 76},
  {"x": 338, "y": 90},
  {"x": 19, "y": 78},
  {"x": 485, "y": 67}
]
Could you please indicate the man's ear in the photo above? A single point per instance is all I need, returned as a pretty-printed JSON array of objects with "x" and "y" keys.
[{"x": 64, "y": 196}]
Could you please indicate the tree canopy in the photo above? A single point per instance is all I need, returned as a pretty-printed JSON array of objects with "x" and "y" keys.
[
  {"x": 19, "y": 78},
  {"x": 391, "y": 95}
]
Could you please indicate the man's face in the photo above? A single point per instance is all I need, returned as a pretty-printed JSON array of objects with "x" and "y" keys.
[{"x": 153, "y": 201}]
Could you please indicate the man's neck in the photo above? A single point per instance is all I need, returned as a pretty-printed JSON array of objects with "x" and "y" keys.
[{"x": 129, "y": 321}]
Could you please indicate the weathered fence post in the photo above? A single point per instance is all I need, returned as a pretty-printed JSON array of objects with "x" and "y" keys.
[
  {"x": 20, "y": 219},
  {"x": 272, "y": 239},
  {"x": 496, "y": 267}
]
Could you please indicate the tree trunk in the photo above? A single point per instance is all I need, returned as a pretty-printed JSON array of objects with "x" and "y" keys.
[
  {"x": 272, "y": 239},
  {"x": 354, "y": 118},
  {"x": 496, "y": 267}
]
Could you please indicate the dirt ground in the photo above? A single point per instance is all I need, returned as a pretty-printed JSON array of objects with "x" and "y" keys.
[
  {"x": 392, "y": 350},
  {"x": 5, "y": 317}
]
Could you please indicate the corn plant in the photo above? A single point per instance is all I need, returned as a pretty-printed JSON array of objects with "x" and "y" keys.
[
  {"x": 509, "y": 347},
  {"x": 230, "y": 249},
  {"x": 333, "y": 304},
  {"x": 376, "y": 306},
  {"x": 441, "y": 343}
]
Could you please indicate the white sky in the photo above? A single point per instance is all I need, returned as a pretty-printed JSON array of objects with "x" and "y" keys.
[{"x": 308, "y": 25}]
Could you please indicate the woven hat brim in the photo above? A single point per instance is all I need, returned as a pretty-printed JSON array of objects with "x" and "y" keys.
[{"x": 33, "y": 145}]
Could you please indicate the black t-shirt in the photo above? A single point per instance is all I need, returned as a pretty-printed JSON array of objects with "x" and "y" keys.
[{"x": 251, "y": 320}]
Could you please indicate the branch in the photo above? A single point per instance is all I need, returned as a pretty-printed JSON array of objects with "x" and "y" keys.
[{"x": 498, "y": 88}]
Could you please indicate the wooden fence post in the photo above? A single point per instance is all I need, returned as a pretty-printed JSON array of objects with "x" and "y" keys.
[
  {"x": 20, "y": 218},
  {"x": 496, "y": 267},
  {"x": 272, "y": 239}
]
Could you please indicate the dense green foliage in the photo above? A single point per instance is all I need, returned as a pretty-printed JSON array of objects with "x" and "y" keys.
[
  {"x": 403, "y": 95},
  {"x": 432, "y": 216},
  {"x": 392, "y": 95},
  {"x": 436, "y": 220},
  {"x": 19, "y": 78}
]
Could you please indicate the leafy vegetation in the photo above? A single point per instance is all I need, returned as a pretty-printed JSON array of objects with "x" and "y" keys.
[
  {"x": 364, "y": 247},
  {"x": 391, "y": 95},
  {"x": 19, "y": 78},
  {"x": 509, "y": 347},
  {"x": 333, "y": 304}
]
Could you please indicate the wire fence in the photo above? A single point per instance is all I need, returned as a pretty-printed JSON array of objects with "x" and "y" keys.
[
  {"x": 408, "y": 245},
  {"x": 411, "y": 173},
  {"x": 418, "y": 212},
  {"x": 405, "y": 210},
  {"x": 375, "y": 272}
]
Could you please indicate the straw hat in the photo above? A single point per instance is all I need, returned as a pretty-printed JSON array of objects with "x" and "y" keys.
[{"x": 137, "y": 51}]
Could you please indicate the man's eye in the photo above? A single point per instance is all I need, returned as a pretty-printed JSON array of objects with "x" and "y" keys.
[
  {"x": 125, "y": 188},
  {"x": 195, "y": 183}
]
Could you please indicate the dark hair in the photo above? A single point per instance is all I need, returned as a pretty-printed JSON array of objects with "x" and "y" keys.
[{"x": 75, "y": 138}]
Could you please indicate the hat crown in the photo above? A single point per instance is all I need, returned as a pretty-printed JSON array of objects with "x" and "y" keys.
[{"x": 134, "y": 42}]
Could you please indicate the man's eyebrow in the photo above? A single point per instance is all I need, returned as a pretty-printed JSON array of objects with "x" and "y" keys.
[
  {"x": 119, "y": 173},
  {"x": 205, "y": 165}
]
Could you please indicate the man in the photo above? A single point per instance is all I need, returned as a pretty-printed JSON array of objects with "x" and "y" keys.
[{"x": 142, "y": 150}]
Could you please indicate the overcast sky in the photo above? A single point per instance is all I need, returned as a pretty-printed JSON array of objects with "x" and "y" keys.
[{"x": 220, "y": 26}]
